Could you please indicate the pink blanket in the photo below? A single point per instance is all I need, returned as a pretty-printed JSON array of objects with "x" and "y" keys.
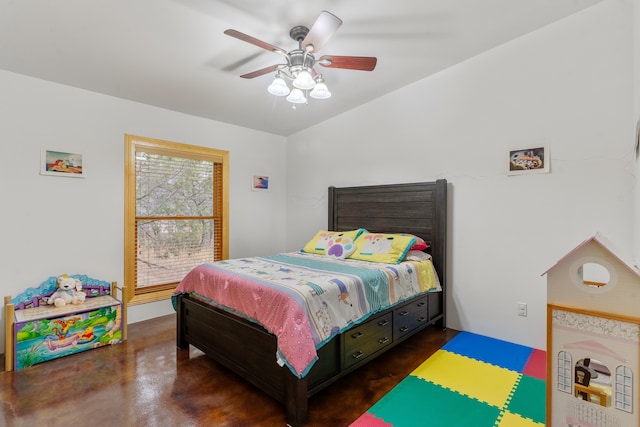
[{"x": 306, "y": 299}]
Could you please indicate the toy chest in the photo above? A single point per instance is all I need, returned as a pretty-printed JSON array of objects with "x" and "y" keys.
[{"x": 37, "y": 332}]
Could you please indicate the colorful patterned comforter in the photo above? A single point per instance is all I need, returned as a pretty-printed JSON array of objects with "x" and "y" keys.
[{"x": 305, "y": 299}]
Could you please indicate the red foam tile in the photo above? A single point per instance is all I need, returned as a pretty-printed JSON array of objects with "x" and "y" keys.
[
  {"x": 369, "y": 420},
  {"x": 536, "y": 366}
]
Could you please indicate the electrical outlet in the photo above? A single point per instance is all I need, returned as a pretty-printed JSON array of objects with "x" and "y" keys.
[{"x": 522, "y": 309}]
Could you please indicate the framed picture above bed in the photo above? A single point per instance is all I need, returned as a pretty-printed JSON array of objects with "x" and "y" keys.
[{"x": 533, "y": 159}]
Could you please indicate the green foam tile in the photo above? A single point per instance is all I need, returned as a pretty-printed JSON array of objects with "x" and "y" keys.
[
  {"x": 415, "y": 402},
  {"x": 529, "y": 399}
]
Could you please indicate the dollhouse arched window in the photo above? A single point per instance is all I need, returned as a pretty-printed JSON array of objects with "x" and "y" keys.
[
  {"x": 624, "y": 389},
  {"x": 563, "y": 376}
]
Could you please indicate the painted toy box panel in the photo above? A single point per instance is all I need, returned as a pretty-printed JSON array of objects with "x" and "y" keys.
[{"x": 48, "y": 332}]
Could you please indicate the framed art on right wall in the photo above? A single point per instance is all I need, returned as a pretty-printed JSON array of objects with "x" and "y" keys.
[{"x": 534, "y": 159}]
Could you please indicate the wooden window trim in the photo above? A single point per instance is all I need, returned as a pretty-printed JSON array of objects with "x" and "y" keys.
[{"x": 132, "y": 144}]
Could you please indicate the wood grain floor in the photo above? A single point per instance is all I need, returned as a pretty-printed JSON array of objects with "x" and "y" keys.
[{"x": 147, "y": 381}]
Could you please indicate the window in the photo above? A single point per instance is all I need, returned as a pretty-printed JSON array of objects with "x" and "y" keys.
[
  {"x": 624, "y": 389},
  {"x": 176, "y": 214},
  {"x": 594, "y": 274},
  {"x": 564, "y": 382}
]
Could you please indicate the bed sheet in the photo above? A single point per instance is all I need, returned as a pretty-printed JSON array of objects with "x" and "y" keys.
[{"x": 306, "y": 299}]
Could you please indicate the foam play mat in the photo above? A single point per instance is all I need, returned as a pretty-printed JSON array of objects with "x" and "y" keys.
[{"x": 472, "y": 381}]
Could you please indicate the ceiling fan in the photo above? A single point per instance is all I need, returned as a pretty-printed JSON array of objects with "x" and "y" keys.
[{"x": 300, "y": 62}]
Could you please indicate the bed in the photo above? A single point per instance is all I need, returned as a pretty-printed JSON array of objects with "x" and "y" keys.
[{"x": 243, "y": 345}]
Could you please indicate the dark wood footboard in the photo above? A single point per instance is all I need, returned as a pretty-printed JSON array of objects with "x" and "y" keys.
[{"x": 244, "y": 348}]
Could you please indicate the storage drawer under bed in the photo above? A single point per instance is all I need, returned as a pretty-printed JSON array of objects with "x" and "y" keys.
[
  {"x": 410, "y": 317},
  {"x": 367, "y": 339}
]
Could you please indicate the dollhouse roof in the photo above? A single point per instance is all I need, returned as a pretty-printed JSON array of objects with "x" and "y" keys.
[{"x": 604, "y": 243}]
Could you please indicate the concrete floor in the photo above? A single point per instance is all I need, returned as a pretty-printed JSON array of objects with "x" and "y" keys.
[{"x": 148, "y": 381}]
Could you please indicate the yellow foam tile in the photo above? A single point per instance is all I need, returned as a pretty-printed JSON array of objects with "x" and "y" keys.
[
  {"x": 477, "y": 380},
  {"x": 514, "y": 420}
]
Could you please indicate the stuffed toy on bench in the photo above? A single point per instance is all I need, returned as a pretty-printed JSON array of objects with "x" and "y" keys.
[{"x": 68, "y": 292}]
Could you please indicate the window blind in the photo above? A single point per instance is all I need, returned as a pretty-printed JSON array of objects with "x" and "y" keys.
[{"x": 178, "y": 217}]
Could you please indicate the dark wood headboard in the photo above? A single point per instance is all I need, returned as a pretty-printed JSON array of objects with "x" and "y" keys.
[{"x": 418, "y": 208}]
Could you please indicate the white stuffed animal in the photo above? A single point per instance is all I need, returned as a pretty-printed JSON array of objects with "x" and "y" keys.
[{"x": 68, "y": 292}]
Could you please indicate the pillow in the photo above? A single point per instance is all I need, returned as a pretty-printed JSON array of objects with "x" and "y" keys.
[
  {"x": 380, "y": 247},
  {"x": 320, "y": 242},
  {"x": 341, "y": 247},
  {"x": 419, "y": 245},
  {"x": 417, "y": 256}
]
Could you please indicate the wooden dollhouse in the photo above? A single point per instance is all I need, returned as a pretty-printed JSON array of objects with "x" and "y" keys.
[{"x": 593, "y": 338}]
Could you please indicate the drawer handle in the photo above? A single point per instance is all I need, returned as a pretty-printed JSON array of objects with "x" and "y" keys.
[
  {"x": 357, "y": 355},
  {"x": 356, "y": 335},
  {"x": 404, "y": 329},
  {"x": 421, "y": 319},
  {"x": 403, "y": 313},
  {"x": 420, "y": 304},
  {"x": 384, "y": 322},
  {"x": 383, "y": 340}
]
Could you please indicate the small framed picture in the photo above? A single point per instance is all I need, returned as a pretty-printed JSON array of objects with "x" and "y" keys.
[
  {"x": 260, "y": 183},
  {"x": 60, "y": 163},
  {"x": 534, "y": 159}
]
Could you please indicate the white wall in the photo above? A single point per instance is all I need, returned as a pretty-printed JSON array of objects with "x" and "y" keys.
[
  {"x": 567, "y": 85},
  {"x": 55, "y": 225}
]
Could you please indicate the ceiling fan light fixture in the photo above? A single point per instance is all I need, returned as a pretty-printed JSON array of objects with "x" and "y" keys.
[
  {"x": 300, "y": 67},
  {"x": 278, "y": 87},
  {"x": 304, "y": 80},
  {"x": 296, "y": 97},
  {"x": 320, "y": 91}
]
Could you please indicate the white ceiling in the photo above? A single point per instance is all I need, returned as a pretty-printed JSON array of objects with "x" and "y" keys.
[{"x": 173, "y": 53}]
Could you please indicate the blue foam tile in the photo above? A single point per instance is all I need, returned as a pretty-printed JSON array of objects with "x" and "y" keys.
[{"x": 490, "y": 350}]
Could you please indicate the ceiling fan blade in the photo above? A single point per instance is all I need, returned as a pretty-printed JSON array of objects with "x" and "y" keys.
[
  {"x": 239, "y": 63},
  {"x": 261, "y": 71},
  {"x": 321, "y": 31},
  {"x": 254, "y": 41},
  {"x": 362, "y": 63}
]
